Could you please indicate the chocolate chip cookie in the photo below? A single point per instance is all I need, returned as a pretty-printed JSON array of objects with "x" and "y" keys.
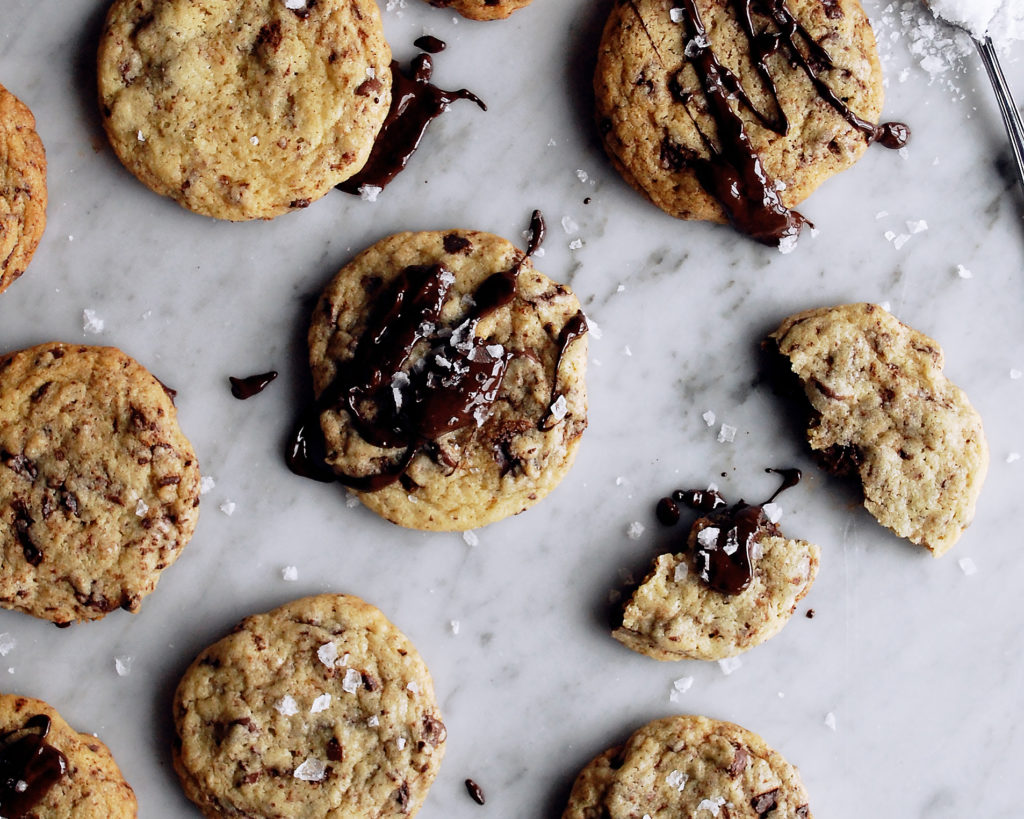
[
  {"x": 482, "y": 9},
  {"x": 99, "y": 488},
  {"x": 243, "y": 109},
  {"x": 689, "y": 766},
  {"x": 51, "y": 770},
  {"x": 720, "y": 111},
  {"x": 736, "y": 585},
  {"x": 318, "y": 708},
  {"x": 882, "y": 409},
  {"x": 22, "y": 187},
  {"x": 449, "y": 376}
]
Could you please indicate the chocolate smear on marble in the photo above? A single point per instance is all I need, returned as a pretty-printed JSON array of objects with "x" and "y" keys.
[
  {"x": 250, "y": 385},
  {"x": 734, "y": 174},
  {"x": 29, "y": 768},
  {"x": 415, "y": 103}
]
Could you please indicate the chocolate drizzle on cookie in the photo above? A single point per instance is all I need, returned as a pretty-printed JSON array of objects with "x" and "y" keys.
[
  {"x": 727, "y": 536},
  {"x": 412, "y": 380},
  {"x": 734, "y": 174},
  {"x": 250, "y": 385},
  {"x": 29, "y": 767},
  {"x": 415, "y": 103}
]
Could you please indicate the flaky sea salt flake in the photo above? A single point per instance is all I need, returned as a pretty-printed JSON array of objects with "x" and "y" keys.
[
  {"x": 682, "y": 685},
  {"x": 830, "y": 721},
  {"x": 676, "y": 15},
  {"x": 967, "y": 566},
  {"x": 729, "y": 664},
  {"x": 709, "y": 418},
  {"x": 773, "y": 512},
  {"x": 328, "y": 654},
  {"x": 454, "y": 625},
  {"x": 369, "y": 193},
  {"x": 900, "y": 240},
  {"x": 680, "y": 572},
  {"x": 7, "y": 643},
  {"x": 206, "y": 483},
  {"x": 708, "y": 537},
  {"x": 963, "y": 272},
  {"x": 91, "y": 323},
  {"x": 313, "y": 769},
  {"x": 123, "y": 665},
  {"x": 726, "y": 434},
  {"x": 351, "y": 681},
  {"x": 712, "y": 805},
  {"x": 635, "y": 530},
  {"x": 290, "y": 573},
  {"x": 141, "y": 507},
  {"x": 676, "y": 779},
  {"x": 373, "y": 721},
  {"x": 576, "y": 244},
  {"x": 569, "y": 225},
  {"x": 1015, "y": 374},
  {"x": 1013, "y": 457},
  {"x": 917, "y": 225},
  {"x": 413, "y": 687},
  {"x": 471, "y": 538},
  {"x": 228, "y": 507},
  {"x": 321, "y": 703},
  {"x": 287, "y": 706}
]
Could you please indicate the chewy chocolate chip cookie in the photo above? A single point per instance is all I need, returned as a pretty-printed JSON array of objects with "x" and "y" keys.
[
  {"x": 99, "y": 488},
  {"x": 318, "y": 708}
]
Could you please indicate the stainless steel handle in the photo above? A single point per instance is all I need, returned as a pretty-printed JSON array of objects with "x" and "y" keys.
[{"x": 1007, "y": 107}]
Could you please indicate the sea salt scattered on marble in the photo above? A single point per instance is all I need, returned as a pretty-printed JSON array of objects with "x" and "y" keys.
[
  {"x": 773, "y": 512},
  {"x": 290, "y": 573},
  {"x": 287, "y": 706},
  {"x": 576, "y": 244},
  {"x": 682, "y": 685},
  {"x": 963, "y": 272},
  {"x": 471, "y": 538},
  {"x": 321, "y": 703},
  {"x": 726, "y": 434},
  {"x": 1003, "y": 20},
  {"x": 7, "y": 644},
  {"x": 917, "y": 226},
  {"x": 709, "y": 418},
  {"x": 1015, "y": 374},
  {"x": 123, "y": 665},
  {"x": 635, "y": 530},
  {"x": 369, "y": 193},
  {"x": 455, "y": 625},
  {"x": 569, "y": 226},
  {"x": 830, "y": 721},
  {"x": 729, "y": 664},
  {"x": 312, "y": 770},
  {"x": 900, "y": 240},
  {"x": 228, "y": 507},
  {"x": 206, "y": 483},
  {"x": 91, "y": 323},
  {"x": 967, "y": 566},
  {"x": 1013, "y": 457}
]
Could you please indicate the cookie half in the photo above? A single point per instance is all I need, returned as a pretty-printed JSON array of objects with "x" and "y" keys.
[
  {"x": 661, "y": 128},
  {"x": 451, "y": 378},
  {"x": 318, "y": 708},
  {"x": 243, "y": 109},
  {"x": 882, "y": 409},
  {"x": 52, "y": 770},
  {"x": 99, "y": 488},
  {"x": 482, "y": 9},
  {"x": 22, "y": 187},
  {"x": 689, "y": 766},
  {"x": 676, "y": 615}
]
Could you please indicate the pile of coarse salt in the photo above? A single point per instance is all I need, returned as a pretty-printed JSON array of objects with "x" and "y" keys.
[{"x": 1002, "y": 20}]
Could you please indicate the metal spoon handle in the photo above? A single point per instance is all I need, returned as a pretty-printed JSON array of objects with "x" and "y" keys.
[{"x": 1007, "y": 107}]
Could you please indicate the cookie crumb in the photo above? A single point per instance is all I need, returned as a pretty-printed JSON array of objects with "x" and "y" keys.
[
  {"x": 569, "y": 226},
  {"x": 91, "y": 323},
  {"x": 830, "y": 721},
  {"x": 123, "y": 665},
  {"x": 471, "y": 538},
  {"x": 287, "y": 706},
  {"x": 726, "y": 434},
  {"x": 312, "y": 770},
  {"x": 321, "y": 703},
  {"x": 7, "y": 644},
  {"x": 729, "y": 664},
  {"x": 290, "y": 573},
  {"x": 635, "y": 530},
  {"x": 967, "y": 566}
]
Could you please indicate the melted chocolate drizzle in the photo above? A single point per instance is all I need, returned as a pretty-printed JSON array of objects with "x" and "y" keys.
[
  {"x": 734, "y": 174},
  {"x": 725, "y": 561},
  {"x": 243, "y": 388},
  {"x": 29, "y": 767},
  {"x": 451, "y": 385},
  {"x": 415, "y": 103}
]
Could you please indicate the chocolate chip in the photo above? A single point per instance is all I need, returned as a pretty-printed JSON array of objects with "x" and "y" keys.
[
  {"x": 453, "y": 243},
  {"x": 739, "y": 762},
  {"x": 434, "y": 731},
  {"x": 21, "y": 466},
  {"x": 369, "y": 87},
  {"x": 335, "y": 752},
  {"x": 299, "y": 203},
  {"x": 765, "y": 802},
  {"x": 475, "y": 791}
]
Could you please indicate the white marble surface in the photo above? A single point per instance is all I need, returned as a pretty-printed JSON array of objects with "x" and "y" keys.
[{"x": 919, "y": 663}]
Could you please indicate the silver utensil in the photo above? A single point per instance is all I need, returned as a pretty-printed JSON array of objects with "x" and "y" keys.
[{"x": 1007, "y": 107}]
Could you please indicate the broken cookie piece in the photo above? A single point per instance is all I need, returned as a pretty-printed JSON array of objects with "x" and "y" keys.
[
  {"x": 881, "y": 408},
  {"x": 735, "y": 585}
]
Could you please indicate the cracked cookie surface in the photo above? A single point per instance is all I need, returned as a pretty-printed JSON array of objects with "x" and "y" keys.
[
  {"x": 882, "y": 409},
  {"x": 91, "y": 785},
  {"x": 243, "y": 110},
  {"x": 655, "y": 122},
  {"x": 482, "y": 9},
  {"x": 674, "y": 615},
  {"x": 22, "y": 188},
  {"x": 318, "y": 708},
  {"x": 511, "y": 453},
  {"x": 689, "y": 766},
  {"x": 99, "y": 488}
]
